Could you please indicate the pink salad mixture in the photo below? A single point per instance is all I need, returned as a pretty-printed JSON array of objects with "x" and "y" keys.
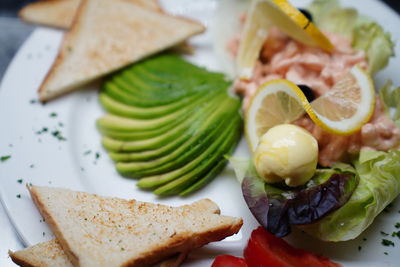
[{"x": 284, "y": 58}]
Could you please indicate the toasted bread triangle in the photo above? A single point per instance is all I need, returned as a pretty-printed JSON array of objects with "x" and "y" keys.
[
  {"x": 60, "y": 13},
  {"x": 102, "y": 231},
  {"x": 51, "y": 254},
  {"x": 108, "y": 35}
]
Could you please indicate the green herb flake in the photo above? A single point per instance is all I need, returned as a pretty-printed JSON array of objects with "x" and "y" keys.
[
  {"x": 394, "y": 234},
  {"x": 359, "y": 248},
  {"x": 384, "y": 234},
  {"x": 5, "y": 158},
  {"x": 87, "y": 152},
  {"x": 19, "y": 196},
  {"x": 43, "y": 130},
  {"x": 385, "y": 253},
  {"x": 364, "y": 239},
  {"x": 397, "y": 225},
  {"x": 387, "y": 243},
  {"x": 57, "y": 134},
  {"x": 53, "y": 115},
  {"x": 20, "y": 181},
  {"x": 122, "y": 249},
  {"x": 97, "y": 155}
]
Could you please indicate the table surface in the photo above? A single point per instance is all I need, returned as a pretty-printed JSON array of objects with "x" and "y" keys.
[{"x": 13, "y": 33}]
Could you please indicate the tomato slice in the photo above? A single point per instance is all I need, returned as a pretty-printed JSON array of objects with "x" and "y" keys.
[
  {"x": 266, "y": 250},
  {"x": 228, "y": 261}
]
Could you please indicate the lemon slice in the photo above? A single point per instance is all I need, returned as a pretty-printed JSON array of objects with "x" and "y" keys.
[
  {"x": 342, "y": 110},
  {"x": 275, "y": 102},
  {"x": 345, "y": 108},
  {"x": 262, "y": 15}
]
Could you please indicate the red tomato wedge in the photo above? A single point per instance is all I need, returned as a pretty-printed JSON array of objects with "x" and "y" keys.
[
  {"x": 266, "y": 250},
  {"x": 228, "y": 261}
]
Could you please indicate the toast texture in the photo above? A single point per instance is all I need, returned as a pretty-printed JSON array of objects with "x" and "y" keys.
[
  {"x": 102, "y": 231},
  {"x": 46, "y": 254},
  {"x": 51, "y": 254},
  {"x": 108, "y": 35},
  {"x": 61, "y": 13}
]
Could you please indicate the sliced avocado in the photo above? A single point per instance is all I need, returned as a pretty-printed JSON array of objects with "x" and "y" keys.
[
  {"x": 206, "y": 179},
  {"x": 145, "y": 134},
  {"x": 111, "y": 122},
  {"x": 147, "y": 88},
  {"x": 187, "y": 127},
  {"x": 157, "y": 180},
  {"x": 212, "y": 121},
  {"x": 181, "y": 115},
  {"x": 170, "y": 122},
  {"x": 120, "y": 109},
  {"x": 150, "y": 154},
  {"x": 129, "y": 98},
  {"x": 115, "y": 107},
  {"x": 170, "y": 162},
  {"x": 203, "y": 181},
  {"x": 178, "y": 185},
  {"x": 191, "y": 149},
  {"x": 168, "y": 66}
]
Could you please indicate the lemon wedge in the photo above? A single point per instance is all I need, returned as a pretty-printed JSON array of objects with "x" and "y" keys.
[
  {"x": 341, "y": 111},
  {"x": 262, "y": 15}
]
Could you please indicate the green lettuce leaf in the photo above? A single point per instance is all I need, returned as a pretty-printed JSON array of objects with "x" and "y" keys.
[
  {"x": 366, "y": 35},
  {"x": 379, "y": 185},
  {"x": 390, "y": 97}
]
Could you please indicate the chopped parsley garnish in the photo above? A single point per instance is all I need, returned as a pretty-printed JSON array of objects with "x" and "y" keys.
[
  {"x": 5, "y": 158},
  {"x": 43, "y": 130},
  {"x": 53, "y": 115},
  {"x": 359, "y": 248},
  {"x": 87, "y": 152},
  {"x": 385, "y": 253},
  {"x": 97, "y": 155},
  {"x": 397, "y": 225},
  {"x": 387, "y": 243},
  {"x": 384, "y": 234},
  {"x": 19, "y": 196},
  {"x": 20, "y": 181},
  {"x": 364, "y": 239},
  {"x": 394, "y": 234},
  {"x": 58, "y": 135}
]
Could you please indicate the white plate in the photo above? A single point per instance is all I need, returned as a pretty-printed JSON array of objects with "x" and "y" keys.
[{"x": 41, "y": 159}]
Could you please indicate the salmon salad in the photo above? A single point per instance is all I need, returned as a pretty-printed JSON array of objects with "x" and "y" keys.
[{"x": 282, "y": 57}]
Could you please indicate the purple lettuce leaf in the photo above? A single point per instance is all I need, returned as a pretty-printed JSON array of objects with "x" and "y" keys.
[{"x": 277, "y": 207}]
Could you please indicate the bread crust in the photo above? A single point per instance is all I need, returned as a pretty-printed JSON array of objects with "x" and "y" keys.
[
  {"x": 19, "y": 261},
  {"x": 53, "y": 225},
  {"x": 179, "y": 240},
  {"x": 72, "y": 36}
]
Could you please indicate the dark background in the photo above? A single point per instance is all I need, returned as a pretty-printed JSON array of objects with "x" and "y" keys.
[{"x": 13, "y": 31}]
